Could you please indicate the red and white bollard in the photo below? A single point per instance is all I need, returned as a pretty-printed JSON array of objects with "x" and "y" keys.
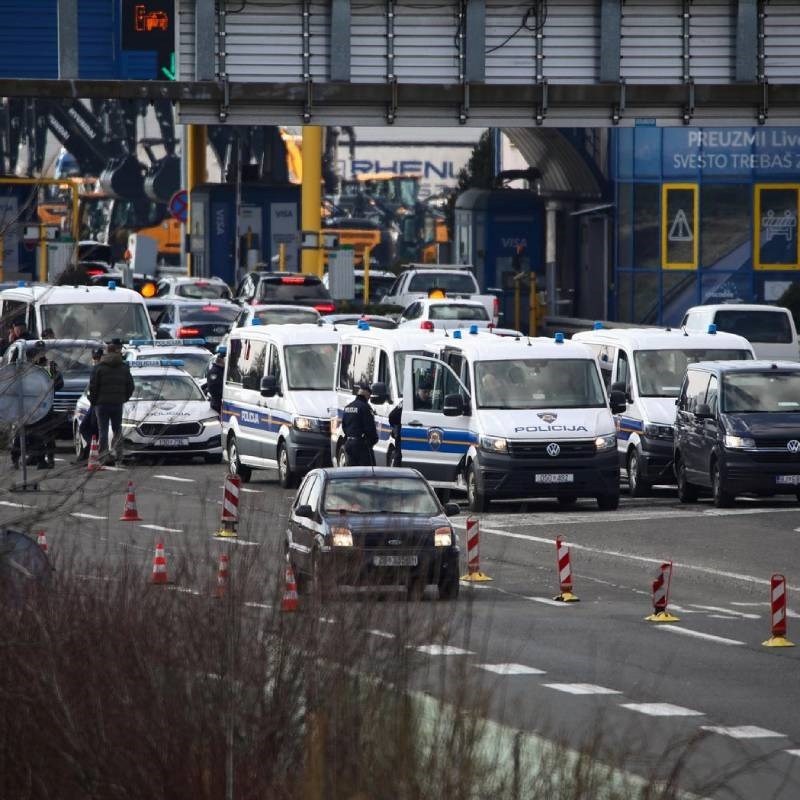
[
  {"x": 564, "y": 573},
  {"x": 661, "y": 595},
  {"x": 778, "y": 613},
  {"x": 474, "y": 573},
  {"x": 41, "y": 540},
  {"x": 230, "y": 507}
]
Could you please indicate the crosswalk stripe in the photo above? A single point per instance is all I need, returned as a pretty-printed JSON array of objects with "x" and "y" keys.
[
  {"x": 580, "y": 688},
  {"x": 443, "y": 650},
  {"x": 510, "y": 669},
  {"x": 662, "y": 710},
  {"x": 175, "y": 478},
  {"x": 698, "y": 635}
]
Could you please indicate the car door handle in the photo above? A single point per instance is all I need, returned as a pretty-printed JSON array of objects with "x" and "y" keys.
[{"x": 415, "y": 424}]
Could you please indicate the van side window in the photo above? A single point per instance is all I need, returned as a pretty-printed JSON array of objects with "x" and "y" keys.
[
  {"x": 458, "y": 364},
  {"x": 694, "y": 391},
  {"x": 252, "y": 359},
  {"x": 361, "y": 366},
  {"x": 345, "y": 357},
  {"x": 623, "y": 370},
  {"x": 604, "y": 353},
  {"x": 274, "y": 364},
  {"x": 712, "y": 395},
  {"x": 234, "y": 367},
  {"x": 384, "y": 375}
]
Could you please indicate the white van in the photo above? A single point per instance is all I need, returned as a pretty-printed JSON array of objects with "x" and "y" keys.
[
  {"x": 511, "y": 418},
  {"x": 375, "y": 355},
  {"x": 770, "y": 329},
  {"x": 278, "y": 400},
  {"x": 648, "y": 365},
  {"x": 76, "y": 312}
]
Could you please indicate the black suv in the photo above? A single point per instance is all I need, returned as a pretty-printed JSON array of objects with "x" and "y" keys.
[
  {"x": 737, "y": 430},
  {"x": 292, "y": 288}
]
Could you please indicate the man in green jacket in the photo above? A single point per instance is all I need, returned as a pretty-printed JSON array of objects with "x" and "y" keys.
[{"x": 110, "y": 387}]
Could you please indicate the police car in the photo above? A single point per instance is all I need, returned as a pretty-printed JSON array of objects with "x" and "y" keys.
[
  {"x": 166, "y": 415},
  {"x": 192, "y": 352}
]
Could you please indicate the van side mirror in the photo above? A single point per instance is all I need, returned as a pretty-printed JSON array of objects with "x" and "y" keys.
[
  {"x": 618, "y": 401},
  {"x": 453, "y": 405},
  {"x": 250, "y": 382},
  {"x": 304, "y": 511},
  {"x": 269, "y": 386},
  {"x": 703, "y": 411},
  {"x": 379, "y": 393},
  {"x": 451, "y": 509},
  {"x": 619, "y": 386}
]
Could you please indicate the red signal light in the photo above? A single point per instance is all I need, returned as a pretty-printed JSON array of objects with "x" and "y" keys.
[{"x": 426, "y": 325}]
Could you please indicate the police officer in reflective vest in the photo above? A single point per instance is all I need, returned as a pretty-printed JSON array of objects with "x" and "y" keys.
[{"x": 358, "y": 424}]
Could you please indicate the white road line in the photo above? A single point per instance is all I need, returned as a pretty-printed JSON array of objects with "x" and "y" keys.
[
  {"x": 252, "y": 604},
  {"x": 510, "y": 669},
  {"x": 242, "y": 542},
  {"x": 14, "y": 505},
  {"x": 328, "y": 620},
  {"x": 56, "y": 458},
  {"x": 185, "y": 590},
  {"x": 727, "y": 611},
  {"x": 662, "y": 710},
  {"x": 548, "y": 601},
  {"x": 680, "y": 609},
  {"x": 580, "y": 688},
  {"x": 443, "y": 650},
  {"x": 161, "y": 528},
  {"x": 743, "y": 731},
  {"x": 628, "y": 557},
  {"x": 81, "y": 515},
  {"x": 792, "y": 752},
  {"x": 112, "y": 469},
  {"x": 697, "y": 635},
  {"x": 382, "y": 634},
  {"x": 174, "y": 478},
  {"x": 245, "y": 490}
]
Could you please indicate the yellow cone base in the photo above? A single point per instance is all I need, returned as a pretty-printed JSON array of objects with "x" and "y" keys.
[
  {"x": 475, "y": 577},
  {"x": 567, "y": 597},
  {"x": 778, "y": 641},
  {"x": 662, "y": 616},
  {"x": 227, "y": 531}
]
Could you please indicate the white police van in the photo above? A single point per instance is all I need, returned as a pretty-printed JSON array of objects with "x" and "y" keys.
[
  {"x": 76, "y": 312},
  {"x": 648, "y": 365},
  {"x": 511, "y": 418},
  {"x": 278, "y": 399},
  {"x": 375, "y": 355}
]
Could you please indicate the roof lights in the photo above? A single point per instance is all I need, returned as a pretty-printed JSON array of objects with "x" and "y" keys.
[
  {"x": 363, "y": 325},
  {"x": 112, "y": 285},
  {"x": 712, "y": 328},
  {"x": 598, "y": 326},
  {"x": 456, "y": 334},
  {"x": 559, "y": 337}
]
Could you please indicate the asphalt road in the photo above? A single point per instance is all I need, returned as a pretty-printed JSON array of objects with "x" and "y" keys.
[{"x": 704, "y": 687}]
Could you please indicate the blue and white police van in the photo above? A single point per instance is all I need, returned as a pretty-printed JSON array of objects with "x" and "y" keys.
[
  {"x": 648, "y": 365},
  {"x": 510, "y": 418},
  {"x": 278, "y": 399}
]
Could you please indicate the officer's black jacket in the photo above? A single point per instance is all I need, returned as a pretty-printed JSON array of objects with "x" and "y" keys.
[{"x": 358, "y": 421}]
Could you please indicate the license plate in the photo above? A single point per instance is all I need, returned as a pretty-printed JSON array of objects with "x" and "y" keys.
[
  {"x": 394, "y": 561},
  {"x": 554, "y": 477},
  {"x": 791, "y": 480},
  {"x": 213, "y": 339},
  {"x": 172, "y": 442}
]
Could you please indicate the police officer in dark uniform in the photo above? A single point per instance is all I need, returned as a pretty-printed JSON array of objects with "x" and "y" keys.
[
  {"x": 358, "y": 424},
  {"x": 214, "y": 379}
]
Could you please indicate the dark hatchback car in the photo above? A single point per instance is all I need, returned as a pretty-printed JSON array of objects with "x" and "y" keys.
[
  {"x": 189, "y": 319},
  {"x": 737, "y": 430},
  {"x": 288, "y": 288},
  {"x": 374, "y": 526}
]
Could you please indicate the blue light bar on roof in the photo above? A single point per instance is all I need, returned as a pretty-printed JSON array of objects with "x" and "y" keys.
[
  {"x": 164, "y": 342},
  {"x": 473, "y": 329},
  {"x": 456, "y": 334},
  {"x": 559, "y": 337},
  {"x": 712, "y": 328},
  {"x": 157, "y": 362}
]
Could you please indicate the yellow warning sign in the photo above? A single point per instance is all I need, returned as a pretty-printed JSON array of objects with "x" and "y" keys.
[{"x": 679, "y": 225}]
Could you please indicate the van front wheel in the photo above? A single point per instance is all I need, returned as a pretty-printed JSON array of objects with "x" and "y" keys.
[
  {"x": 286, "y": 477},
  {"x": 235, "y": 466},
  {"x": 476, "y": 499},
  {"x": 638, "y": 485}
]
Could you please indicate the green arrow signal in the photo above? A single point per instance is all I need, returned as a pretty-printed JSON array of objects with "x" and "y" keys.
[{"x": 170, "y": 73}]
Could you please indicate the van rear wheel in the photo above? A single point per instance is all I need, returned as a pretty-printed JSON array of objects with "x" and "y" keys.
[{"x": 722, "y": 499}]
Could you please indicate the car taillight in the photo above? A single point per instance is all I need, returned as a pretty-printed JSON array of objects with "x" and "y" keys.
[
  {"x": 496, "y": 307},
  {"x": 210, "y": 308},
  {"x": 183, "y": 332},
  {"x": 93, "y": 273},
  {"x": 426, "y": 325},
  {"x": 325, "y": 308},
  {"x": 293, "y": 279}
]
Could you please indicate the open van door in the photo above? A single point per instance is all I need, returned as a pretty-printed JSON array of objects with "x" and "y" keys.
[{"x": 436, "y": 419}]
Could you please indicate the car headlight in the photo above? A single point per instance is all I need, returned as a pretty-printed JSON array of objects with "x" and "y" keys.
[
  {"x": 342, "y": 537},
  {"x": 209, "y": 421},
  {"x": 443, "y": 537},
  {"x": 606, "y": 442},
  {"x": 495, "y": 444},
  {"x": 129, "y": 423},
  {"x": 304, "y": 423},
  {"x": 739, "y": 442},
  {"x": 658, "y": 431}
]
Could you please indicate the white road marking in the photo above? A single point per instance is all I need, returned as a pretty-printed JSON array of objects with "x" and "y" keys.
[
  {"x": 580, "y": 688},
  {"x": 252, "y": 604},
  {"x": 548, "y": 601},
  {"x": 174, "y": 478},
  {"x": 81, "y": 515},
  {"x": 628, "y": 557},
  {"x": 56, "y": 458},
  {"x": 743, "y": 731},
  {"x": 382, "y": 634},
  {"x": 184, "y": 590},
  {"x": 721, "y": 616},
  {"x": 680, "y": 609},
  {"x": 113, "y": 469},
  {"x": 245, "y": 490},
  {"x": 14, "y": 505},
  {"x": 662, "y": 710},
  {"x": 443, "y": 650},
  {"x": 510, "y": 669},
  {"x": 792, "y": 752},
  {"x": 243, "y": 542},
  {"x": 697, "y": 635},
  {"x": 727, "y": 611},
  {"x": 748, "y": 605},
  {"x": 474, "y": 585},
  {"x": 161, "y": 528}
]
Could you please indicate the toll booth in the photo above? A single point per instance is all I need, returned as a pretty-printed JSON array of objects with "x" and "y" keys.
[{"x": 230, "y": 232}]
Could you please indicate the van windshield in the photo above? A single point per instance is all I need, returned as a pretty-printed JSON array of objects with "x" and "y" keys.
[
  {"x": 768, "y": 327},
  {"x": 744, "y": 392},
  {"x": 310, "y": 366},
  {"x": 660, "y": 372},
  {"x": 538, "y": 383},
  {"x": 105, "y": 321}
]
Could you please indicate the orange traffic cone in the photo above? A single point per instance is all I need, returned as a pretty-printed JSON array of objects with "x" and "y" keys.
[
  {"x": 222, "y": 576},
  {"x": 41, "y": 540},
  {"x": 130, "y": 514},
  {"x": 94, "y": 455},
  {"x": 290, "y": 600},
  {"x": 159, "y": 565}
]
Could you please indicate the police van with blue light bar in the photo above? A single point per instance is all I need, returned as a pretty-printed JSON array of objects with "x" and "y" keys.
[
  {"x": 511, "y": 418},
  {"x": 166, "y": 415},
  {"x": 647, "y": 365}
]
